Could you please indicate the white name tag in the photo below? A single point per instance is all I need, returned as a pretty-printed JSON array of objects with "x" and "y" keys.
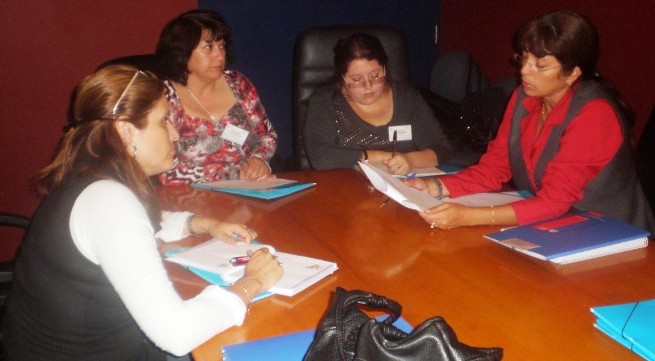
[
  {"x": 403, "y": 132},
  {"x": 235, "y": 134}
]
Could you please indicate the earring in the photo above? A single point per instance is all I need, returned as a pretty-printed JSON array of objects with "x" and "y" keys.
[{"x": 133, "y": 149}]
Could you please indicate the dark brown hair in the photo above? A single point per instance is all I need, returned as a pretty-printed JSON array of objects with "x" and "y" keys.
[
  {"x": 358, "y": 46},
  {"x": 181, "y": 35},
  {"x": 92, "y": 145},
  {"x": 573, "y": 39}
]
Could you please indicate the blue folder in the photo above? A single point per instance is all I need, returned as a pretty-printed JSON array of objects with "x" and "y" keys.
[
  {"x": 268, "y": 193},
  {"x": 630, "y": 324},
  {"x": 289, "y": 347}
]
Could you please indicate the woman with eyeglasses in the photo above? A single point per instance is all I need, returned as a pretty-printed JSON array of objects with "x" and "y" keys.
[
  {"x": 89, "y": 283},
  {"x": 368, "y": 116},
  {"x": 565, "y": 137},
  {"x": 224, "y": 130}
]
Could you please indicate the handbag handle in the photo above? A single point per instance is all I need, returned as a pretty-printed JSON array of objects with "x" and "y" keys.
[{"x": 368, "y": 299}]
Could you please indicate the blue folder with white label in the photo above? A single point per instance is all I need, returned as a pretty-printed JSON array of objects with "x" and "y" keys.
[{"x": 573, "y": 237}]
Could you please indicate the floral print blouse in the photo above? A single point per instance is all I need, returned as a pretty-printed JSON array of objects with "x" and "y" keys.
[{"x": 202, "y": 154}]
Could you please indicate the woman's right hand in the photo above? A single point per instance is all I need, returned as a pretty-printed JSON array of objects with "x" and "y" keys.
[
  {"x": 418, "y": 184},
  {"x": 263, "y": 270}
]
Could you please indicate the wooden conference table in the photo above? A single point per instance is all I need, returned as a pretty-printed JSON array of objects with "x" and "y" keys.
[{"x": 489, "y": 294}]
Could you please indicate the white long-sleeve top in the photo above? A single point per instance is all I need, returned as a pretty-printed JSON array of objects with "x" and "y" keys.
[{"x": 110, "y": 227}]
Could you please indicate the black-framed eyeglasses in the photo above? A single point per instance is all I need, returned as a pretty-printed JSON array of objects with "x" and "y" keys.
[
  {"x": 520, "y": 61},
  {"x": 374, "y": 78},
  {"x": 136, "y": 75}
]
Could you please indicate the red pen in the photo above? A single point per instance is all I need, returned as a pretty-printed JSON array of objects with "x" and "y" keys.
[{"x": 239, "y": 261}]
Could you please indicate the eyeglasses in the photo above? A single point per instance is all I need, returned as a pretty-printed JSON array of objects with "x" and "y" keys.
[
  {"x": 521, "y": 61},
  {"x": 373, "y": 79},
  {"x": 136, "y": 75}
]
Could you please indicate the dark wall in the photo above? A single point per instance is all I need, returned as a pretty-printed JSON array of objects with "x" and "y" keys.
[
  {"x": 263, "y": 34},
  {"x": 47, "y": 47},
  {"x": 626, "y": 28}
]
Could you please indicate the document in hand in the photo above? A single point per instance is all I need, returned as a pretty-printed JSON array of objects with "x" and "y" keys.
[
  {"x": 214, "y": 256},
  {"x": 630, "y": 324},
  {"x": 418, "y": 172},
  {"x": 417, "y": 200},
  {"x": 263, "y": 189},
  {"x": 573, "y": 237}
]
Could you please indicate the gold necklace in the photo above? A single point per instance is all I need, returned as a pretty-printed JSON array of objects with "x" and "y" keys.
[
  {"x": 212, "y": 116},
  {"x": 542, "y": 119}
]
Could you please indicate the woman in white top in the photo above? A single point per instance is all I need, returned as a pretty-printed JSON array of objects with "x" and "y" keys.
[{"x": 89, "y": 283}]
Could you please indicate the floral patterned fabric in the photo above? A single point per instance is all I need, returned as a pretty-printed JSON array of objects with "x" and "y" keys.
[{"x": 202, "y": 154}]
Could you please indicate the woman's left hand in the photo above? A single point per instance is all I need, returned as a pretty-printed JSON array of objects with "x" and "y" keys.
[
  {"x": 398, "y": 164},
  {"x": 448, "y": 215},
  {"x": 255, "y": 168},
  {"x": 231, "y": 233}
]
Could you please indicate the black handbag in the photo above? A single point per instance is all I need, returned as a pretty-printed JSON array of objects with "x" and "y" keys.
[{"x": 349, "y": 334}]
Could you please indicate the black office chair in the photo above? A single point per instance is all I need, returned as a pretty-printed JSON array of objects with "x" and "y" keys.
[
  {"x": 8, "y": 220},
  {"x": 313, "y": 67},
  {"x": 455, "y": 75}
]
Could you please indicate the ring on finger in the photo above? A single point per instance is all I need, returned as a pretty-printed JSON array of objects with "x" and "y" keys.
[{"x": 433, "y": 225}]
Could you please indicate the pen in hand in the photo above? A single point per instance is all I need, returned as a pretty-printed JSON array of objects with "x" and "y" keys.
[
  {"x": 241, "y": 260},
  {"x": 385, "y": 202},
  {"x": 393, "y": 143}
]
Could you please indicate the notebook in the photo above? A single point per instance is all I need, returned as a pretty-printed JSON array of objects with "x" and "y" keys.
[
  {"x": 214, "y": 256},
  {"x": 573, "y": 237},
  {"x": 213, "y": 278},
  {"x": 262, "y": 189},
  {"x": 289, "y": 347}
]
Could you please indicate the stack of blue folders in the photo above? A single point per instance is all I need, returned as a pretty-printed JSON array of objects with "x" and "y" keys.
[{"x": 631, "y": 324}]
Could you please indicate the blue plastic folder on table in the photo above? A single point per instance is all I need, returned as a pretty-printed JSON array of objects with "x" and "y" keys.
[
  {"x": 573, "y": 237},
  {"x": 273, "y": 192},
  {"x": 289, "y": 347},
  {"x": 630, "y": 324}
]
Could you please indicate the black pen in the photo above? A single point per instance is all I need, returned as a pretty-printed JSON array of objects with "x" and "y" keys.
[{"x": 393, "y": 143}]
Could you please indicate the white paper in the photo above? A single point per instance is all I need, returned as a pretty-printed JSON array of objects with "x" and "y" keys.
[
  {"x": 417, "y": 200},
  {"x": 214, "y": 256}
]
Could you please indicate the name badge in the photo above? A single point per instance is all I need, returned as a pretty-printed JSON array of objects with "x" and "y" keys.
[
  {"x": 235, "y": 134},
  {"x": 403, "y": 132}
]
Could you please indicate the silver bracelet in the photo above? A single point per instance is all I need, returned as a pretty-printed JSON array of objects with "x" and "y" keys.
[
  {"x": 245, "y": 291},
  {"x": 189, "y": 226}
]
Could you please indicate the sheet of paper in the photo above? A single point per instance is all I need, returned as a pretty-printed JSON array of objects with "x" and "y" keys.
[
  {"x": 419, "y": 172},
  {"x": 214, "y": 256},
  {"x": 417, "y": 200}
]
